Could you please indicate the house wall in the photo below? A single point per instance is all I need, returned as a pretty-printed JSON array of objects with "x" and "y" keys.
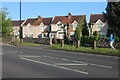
[
  {"x": 54, "y": 27},
  {"x": 35, "y": 30},
  {"x": 16, "y": 30},
  {"x": 102, "y": 30},
  {"x": 70, "y": 29}
]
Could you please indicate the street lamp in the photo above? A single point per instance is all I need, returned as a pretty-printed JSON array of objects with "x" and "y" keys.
[{"x": 20, "y": 32}]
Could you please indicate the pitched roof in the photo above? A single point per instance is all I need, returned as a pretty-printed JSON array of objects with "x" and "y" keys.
[
  {"x": 45, "y": 21},
  {"x": 17, "y": 22},
  {"x": 65, "y": 19},
  {"x": 35, "y": 21},
  {"x": 95, "y": 17},
  {"x": 45, "y": 32},
  {"x": 31, "y": 21}
]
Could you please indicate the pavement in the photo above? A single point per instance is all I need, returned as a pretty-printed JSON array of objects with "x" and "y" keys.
[{"x": 34, "y": 62}]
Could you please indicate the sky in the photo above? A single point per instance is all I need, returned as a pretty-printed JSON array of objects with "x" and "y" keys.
[{"x": 51, "y": 9}]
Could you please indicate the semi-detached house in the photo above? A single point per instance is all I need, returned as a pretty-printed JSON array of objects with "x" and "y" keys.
[
  {"x": 67, "y": 23},
  {"x": 99, "y": 24},
  {"x": 35, "y": 27}
]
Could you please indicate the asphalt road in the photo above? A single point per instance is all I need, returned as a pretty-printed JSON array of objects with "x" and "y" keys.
[{"x": 39, "y": 62}]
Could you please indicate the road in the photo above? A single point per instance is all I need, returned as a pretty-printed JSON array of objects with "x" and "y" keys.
[{"x": 40, "y": 62}]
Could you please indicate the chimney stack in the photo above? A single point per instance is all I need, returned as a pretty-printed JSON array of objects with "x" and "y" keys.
[
  {"x": 69, "y": 15},
  {"x": 39, "y": 18}
]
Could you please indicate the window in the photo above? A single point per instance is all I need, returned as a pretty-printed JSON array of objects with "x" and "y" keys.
[
  {"x": 29, "y": 26},
  {"x": 59, "y": 26},
  {"x": 30, "y": 35},
  {"x": 42, "y": 27},
  {"x": 99, "y": 26},
  {"x": 40, "y": 35},
  {"x": 14, "y": 28},
  {"x": 44, "y": 35},
  {"x": 71, "y": 33},
  {"x": 74, "y": 26},
  {"x": 102, "y": 34}
]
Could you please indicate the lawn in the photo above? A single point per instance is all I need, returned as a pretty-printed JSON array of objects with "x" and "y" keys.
[
  {"x": 26, "y": 44},
  {"x": 107, "y": 51}
]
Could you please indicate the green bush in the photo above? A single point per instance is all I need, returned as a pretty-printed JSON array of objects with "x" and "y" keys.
[
  {"x": 88, "y": 40},
  {"x": 95, "y": 33},
  {"x": 117, "y": 39}
]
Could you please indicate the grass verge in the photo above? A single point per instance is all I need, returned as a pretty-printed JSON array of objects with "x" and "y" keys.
[
  {"x": 105, "y": 51},
  {"x": 25, "y": 44}
]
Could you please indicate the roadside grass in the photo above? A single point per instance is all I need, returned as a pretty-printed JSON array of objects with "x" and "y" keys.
[
  {"x": 25, "y": 44},
  {"x": 88, "y": 49}
]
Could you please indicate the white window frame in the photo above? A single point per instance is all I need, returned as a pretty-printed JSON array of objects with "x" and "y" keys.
[
  {"x": 59, "y": 24},
  {"x": 75, "y": 24},
  {"x": 29, "y": 26},
  {"x": 41, "y": 27},
  {"x": 99, "y": 26}
]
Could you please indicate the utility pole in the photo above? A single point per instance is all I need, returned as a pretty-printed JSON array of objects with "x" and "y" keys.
[{"x": 20, "y": 31}]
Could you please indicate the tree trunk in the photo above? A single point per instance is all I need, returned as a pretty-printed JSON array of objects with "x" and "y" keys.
[
  {"x": 62, "y": 43},
  {"x": 78, "y": 44},
  {"x": 94, "y": 45},
  {"x": 21, "y": 40}
]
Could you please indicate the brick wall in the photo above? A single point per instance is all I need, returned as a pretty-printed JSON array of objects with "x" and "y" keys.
[{"x": 37, "y": 40}]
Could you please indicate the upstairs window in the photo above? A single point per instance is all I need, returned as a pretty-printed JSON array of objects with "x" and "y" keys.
[
  {"x": 59, "y": 26},
  {"x": 74, "y": 26},
  {"x": 42, "y": 27},
  {"x": 29, "y": 26},
  {"x": 99, "y": 26}
]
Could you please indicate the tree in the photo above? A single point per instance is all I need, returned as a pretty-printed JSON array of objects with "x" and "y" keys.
[
  {"x": 112, "y": 16},
  {"x": 6, "y": 23},
  {"x": 85, "y": 31},
  {"x": 78, "y": 32}
]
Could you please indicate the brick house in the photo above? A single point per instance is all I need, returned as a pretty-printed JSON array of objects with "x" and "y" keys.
[
  {"x": 16, "y": 27},
  {"x": 98, "y": 23},
  {"x": 67, "y": 23},
  {"x": 36, "y": 27}
]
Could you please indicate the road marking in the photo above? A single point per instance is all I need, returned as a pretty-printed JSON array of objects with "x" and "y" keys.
[
  {"x": 80, "y": 62},
  {"x": 1, "y": 53},
  {"x": 55, "y": 66},
  {"x": 29, "y": 56},
  {"x": 71, "y": 64},
  {"x": 72, "y": 61}
]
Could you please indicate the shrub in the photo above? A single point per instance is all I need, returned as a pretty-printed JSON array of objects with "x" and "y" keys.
[
  {"x": 117, "y": 39},
  {"x": 95, "y": 33},
  {"x": 88, "y": 40}
]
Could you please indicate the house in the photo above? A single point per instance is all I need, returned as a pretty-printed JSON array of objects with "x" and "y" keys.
[
  {"x": 16, "y": 27},
  {"x": 67, "y": 24},
  {"x": 36, "y": 27},
  {"x": 98, "y": 23}
]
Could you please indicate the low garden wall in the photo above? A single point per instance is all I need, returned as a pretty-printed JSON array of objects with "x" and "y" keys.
[
  {"x": 87, "y": 42},
  {"x": 6, "y": 39},
  {"x": 37, "y": 40},
  {"x": 105, "y": 43}
]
